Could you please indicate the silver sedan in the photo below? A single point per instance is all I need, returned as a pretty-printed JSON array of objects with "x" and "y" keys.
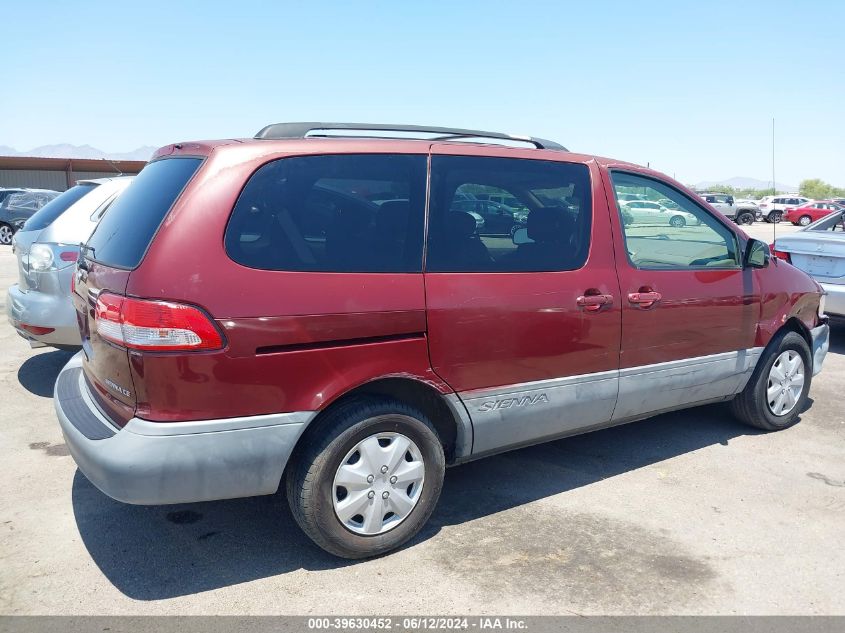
[{"x": 819, "y": 250}]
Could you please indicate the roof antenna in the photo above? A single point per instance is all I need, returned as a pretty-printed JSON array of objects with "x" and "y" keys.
[
  {"x": 774, "y": 184},
  {"x": 114, "y": 166}
]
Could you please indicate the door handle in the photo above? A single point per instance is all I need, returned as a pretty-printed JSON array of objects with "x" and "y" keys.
[
  {"x": 644, "y": 299},
  {"x": 594, "y": 303}
]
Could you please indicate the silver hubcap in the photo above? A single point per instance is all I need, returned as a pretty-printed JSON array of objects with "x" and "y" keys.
[
  {"x": 804, "y": 221},
  {"x": 786, "y": 382},
  {"x": 378, "y": 483},
  {"x": 5, "y": 235}
]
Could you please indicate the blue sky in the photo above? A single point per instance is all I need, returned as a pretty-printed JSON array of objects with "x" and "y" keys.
[{"x": 690, "y": 88}]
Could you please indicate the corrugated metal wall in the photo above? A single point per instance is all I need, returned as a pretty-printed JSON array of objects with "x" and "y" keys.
[
  {"x": 37, "y": 179},
  {"x": 34, "y": 179}
]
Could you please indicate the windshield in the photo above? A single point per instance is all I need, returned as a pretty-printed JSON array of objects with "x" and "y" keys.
[{"x": 53, "y": 209}]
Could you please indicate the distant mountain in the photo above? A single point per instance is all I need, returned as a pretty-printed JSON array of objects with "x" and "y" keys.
[
  {"x": 65, "y": 150},
  {"x": 740, "y": 182}
]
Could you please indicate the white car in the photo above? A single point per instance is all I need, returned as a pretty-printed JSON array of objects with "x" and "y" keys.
[
  {"x": 819, "y": 250},
  {"x": 774, "y": 206},
  {"x": 650, "y": 212}
]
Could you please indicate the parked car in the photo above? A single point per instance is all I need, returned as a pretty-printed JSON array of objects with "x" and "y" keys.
[
  {"x": 20, "y": 206},
  {"x": 773, "y": 207},
  {"x": 811, "y": 211},
  {"x": 39, "y": 306},
  {"x": 5, "y": 193},
  {"x": 228, "y": 352},
  {"x": 819, "y": 250},
  {"x": 496, "y": 217},
  {"x": 649, "y": 212},
  {"x": 740, "y": 211}
]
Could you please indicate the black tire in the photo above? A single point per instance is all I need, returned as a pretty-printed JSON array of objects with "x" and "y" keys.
[
  {"x": 6, "y": 233},
  {"x": 677, "y": 221},
  {"x": 775, "y": 217},
  {"x": 310, "y": 476},
  {"x": 805, "y": 220},
  {"x": 751, "y": 405},
  {"x": 745, "y": 218}
]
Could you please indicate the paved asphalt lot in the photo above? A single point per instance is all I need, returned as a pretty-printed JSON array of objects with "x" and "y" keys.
[{"x": 685, "y": 513}]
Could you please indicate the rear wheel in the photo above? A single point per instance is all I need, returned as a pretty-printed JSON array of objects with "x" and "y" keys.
[
  {"x": 775, "y": 217},
  {"x": 804, "y": 220},
  {"x": 777, "y": 391},
  {"x": 367, "y": 478},
  {"x": 6, "y": 234},
  {"x": 745, "y": 218},
  {"x": 677, "y": 221}
]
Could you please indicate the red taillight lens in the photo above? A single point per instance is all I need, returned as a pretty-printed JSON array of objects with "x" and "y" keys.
[
  {"x": 68, "y": 256},
  {"x": 162, "y": 326},
  {"x": 780, "y": 254},
  {"x": 36, "y": 329}
]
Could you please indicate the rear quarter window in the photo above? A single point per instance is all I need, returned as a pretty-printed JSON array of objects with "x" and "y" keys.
[
  {"x": 337, "y": 213},
  {"x": 125, "y": 232}
]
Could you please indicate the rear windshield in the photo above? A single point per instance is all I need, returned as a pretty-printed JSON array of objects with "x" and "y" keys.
[
  {"x": 124, "y": 234},
  {"x": 53, "y": 209}
]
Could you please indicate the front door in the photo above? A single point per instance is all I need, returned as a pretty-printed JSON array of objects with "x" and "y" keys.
[
  {"x": 689, "y": 309},
  {"x": 525, "y": 327}
]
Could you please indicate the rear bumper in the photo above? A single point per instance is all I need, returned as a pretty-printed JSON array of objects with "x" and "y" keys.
[
  {"x": 44, "y": 310},
  {"x": 154, "y": 463},
  {"x": 834, "y": 302},
  {"x": 821, "y": 343}
]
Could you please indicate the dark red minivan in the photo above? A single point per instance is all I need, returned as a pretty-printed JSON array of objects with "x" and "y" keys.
[{"x": 321, "y": 309}]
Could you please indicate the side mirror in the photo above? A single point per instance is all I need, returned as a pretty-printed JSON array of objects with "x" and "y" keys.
[
  {"x": 757, "y": 254},
  {"x": 730, "y": 200},
  {"x": 520, "y": 236}
]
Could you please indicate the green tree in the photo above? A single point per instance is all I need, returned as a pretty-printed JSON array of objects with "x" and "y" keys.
[{"x": 819, "y": 190}]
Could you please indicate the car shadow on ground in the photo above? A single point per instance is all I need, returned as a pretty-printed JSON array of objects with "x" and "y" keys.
[
  {"x": 37, "y": 374},
  {"x": 837, "y": 335},
  {"x": 152, "y": 553}
]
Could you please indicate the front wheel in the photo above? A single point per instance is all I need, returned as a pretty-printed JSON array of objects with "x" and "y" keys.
[
  {"x": 677, "y": 221},
  {"x": 367, "y": 478},
  {"x": 804, "y": 220},
  {"x": 6, "y": 234},
  {"x": 777, "y": 390},
  {"x": 745, "y": 219}
]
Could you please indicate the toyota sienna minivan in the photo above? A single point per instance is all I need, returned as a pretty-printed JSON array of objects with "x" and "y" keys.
[{"x": 313, "y": 309}]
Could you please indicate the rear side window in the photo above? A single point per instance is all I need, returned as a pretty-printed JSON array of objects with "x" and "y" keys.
[
  {"x": 335, "y": 213},
  {"x": 53, "y": 209},
  {"x": 536, "y": 215},
  {"x": 124, "y": 234}
]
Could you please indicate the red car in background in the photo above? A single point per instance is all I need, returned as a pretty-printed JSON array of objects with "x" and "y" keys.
[{"x": 811, "y": 211}]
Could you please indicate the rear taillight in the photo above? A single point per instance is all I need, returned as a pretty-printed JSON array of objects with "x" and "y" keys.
[
  {"x": 36, "y": 329},
  {"x": 780, "y": 254},
  {"x": 150, "y": 325},
  {"x": 44, "y": 257}
]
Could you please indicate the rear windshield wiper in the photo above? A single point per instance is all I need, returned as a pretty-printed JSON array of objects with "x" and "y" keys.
[{"x": 83, "y": 248}]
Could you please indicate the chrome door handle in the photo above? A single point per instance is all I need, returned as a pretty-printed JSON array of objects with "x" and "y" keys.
[
  {"x": 593, "y": 303},
  {"x": 644, "y": 299}
]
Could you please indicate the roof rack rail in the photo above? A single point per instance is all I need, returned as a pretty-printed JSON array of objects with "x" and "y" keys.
[{"x": 301, "y": 130}]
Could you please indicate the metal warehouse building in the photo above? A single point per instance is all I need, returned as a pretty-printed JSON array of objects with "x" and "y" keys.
[{"x": 59, "y": 174}]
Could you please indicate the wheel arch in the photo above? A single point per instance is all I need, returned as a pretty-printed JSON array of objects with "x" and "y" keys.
[
  {"x": 445, "y": 411},
  {"x": 794, "y": 324}
]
